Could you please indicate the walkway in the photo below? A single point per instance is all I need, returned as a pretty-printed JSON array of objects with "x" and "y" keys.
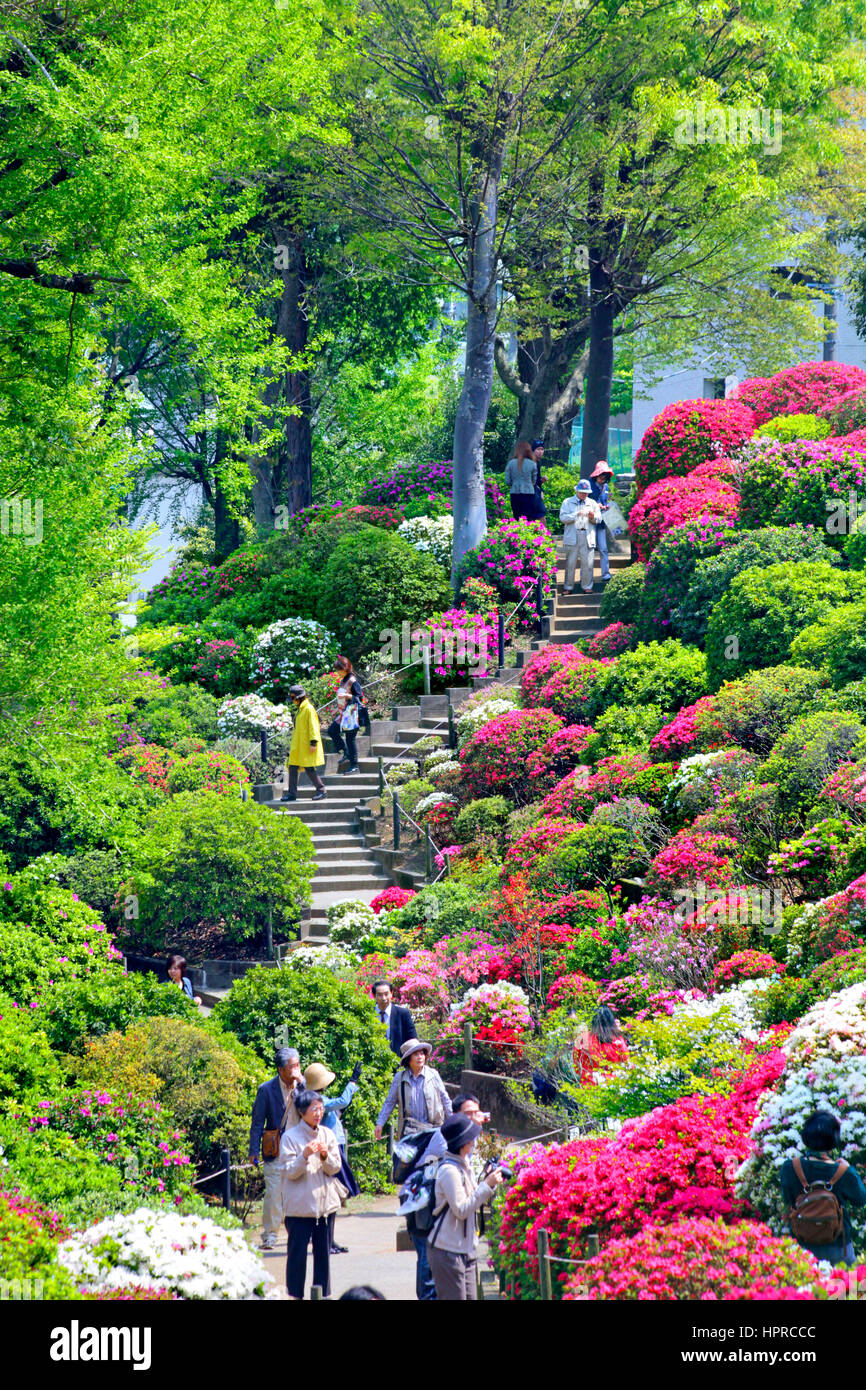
[{"x": 369, "y": 1228}]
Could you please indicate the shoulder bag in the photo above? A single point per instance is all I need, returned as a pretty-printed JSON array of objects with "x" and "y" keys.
[{"x": 271, "y": 1137}]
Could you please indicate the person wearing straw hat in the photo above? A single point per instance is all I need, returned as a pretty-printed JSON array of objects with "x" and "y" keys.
[
  {"x": 318, "y": 1078},
  {"x": 581, "y": 516},
  {"x": 417, "y": 1090},
  {"x": 600, "y": 479},
  {"x": 305, "y": 750}
]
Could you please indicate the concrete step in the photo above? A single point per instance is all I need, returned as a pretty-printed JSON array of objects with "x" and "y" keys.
[
  {"x": 325, "y": 840},
  {"x": 318, "y": 815},
  {"x": 344, "y": 869},
  {"x": 333, "y": 883}
]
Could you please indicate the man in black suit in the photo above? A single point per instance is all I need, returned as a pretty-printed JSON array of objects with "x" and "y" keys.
[
  {"x": 274, "y": 1108},
  {"x": 393, "y": 1017}
]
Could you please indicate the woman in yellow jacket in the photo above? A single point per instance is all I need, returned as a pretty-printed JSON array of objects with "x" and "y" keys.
[{"x": 306, "y": 746}]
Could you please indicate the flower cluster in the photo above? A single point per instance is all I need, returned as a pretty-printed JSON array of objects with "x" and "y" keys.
[
  {"x": 146, "y": 763},
  {"x": 811, "y": 388},
  {"x": 501, "y": 1024},
  {"x": 834, "y": 1028},
  {"x": 686, "y": 434},
  {"x": 693, "y": 857},
  {"x": 544, "y": 664},
  {"x": 217, "y": 666},
  {"x": 833, "y": 924},
  {"x": 462, "y": 644},
  {"x": 511, "y": 557},
  {"x": 495, "y": 758},
  {"x": 288, "y": 650},
  {"x": 391, "y": 898},
  {"x": 474, "y": 715},
  {"x": 613, "y": 639},
  {"x": 431, "y": 535},
  {"x": 247, "y": 715},
  {"x": 671, "y": 502},
  {"x": 675, "y": 739},
  {"x": 745, "y": 965},
  {"x": 188, "y": 1255},
  {"x": 334, "y": 957}
]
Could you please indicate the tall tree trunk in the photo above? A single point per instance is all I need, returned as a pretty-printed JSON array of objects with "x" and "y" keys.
[
  {"x": 548, "y": 384},
  {"x": 599, "y": 380},
  {"x": 470, "y": 512},
  {"x": 227, "y": 531}
]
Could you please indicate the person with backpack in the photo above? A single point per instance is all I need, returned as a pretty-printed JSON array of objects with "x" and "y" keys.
[
  {"x": 817, "y": 1189},
  {"x": 452, "y": 1241}
]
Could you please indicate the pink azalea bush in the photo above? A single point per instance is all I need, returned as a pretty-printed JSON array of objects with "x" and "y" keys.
[
  {"x": 494, "y": 760},
  {"x": 464, "y": 644},
  {"x": 693, "y": 857},
  {"x": 686, "y": 434},
  {"x": 571, "y": 989},
  {"x": 810, "y": 388},
  {"x": 695, "y": 1258},
  {"x": 613, "y": 639},
  {"x": 672, "y": 502},
  {"x": 511, "y": 557},
  {"x": 576, "y": 691},
  {"x": 562, "y": 752},
  {"x": 501, "y": 1026},
  {"x": 680, "y": 737},
  {"x": 578, "y": 794},
  {"x": 542, "y": 666},
  {"x": 537, "y": 842}
]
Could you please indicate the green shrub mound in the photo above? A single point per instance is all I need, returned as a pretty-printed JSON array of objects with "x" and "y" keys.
[
  {"x": 374, "y": 580},
  {"x": 837, "y": 645},
  {"x": 328, "y": 1021},
  {"x": 787, "y": 428},
  {"x": 621, "y": 598},
  {"x": 754, "y": 623},
  {"x": 182, "y": 711},
  {"x": 210, "y": 861},
  {"x": 665, "y": 674},
  {"x": 757, "y": 709},
  {"x": 806, "y": 754},
  {"x": 75, "y": 1010}
]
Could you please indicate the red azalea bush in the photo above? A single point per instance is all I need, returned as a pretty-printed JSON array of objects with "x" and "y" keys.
[
  {"x": 693, "y": 857},
  {"x": 725, "y": 469},
  {"x": 674, "y": 501},
  {"x": 688, "y": 433},
  {"x": 208, "y": 772},
  {"x": 810, "y": 388},
  {"x": 536, "y": 842},
  {"x": 494, "y": 760},
  {"x": 681, "y": 737},
  {"x": 614, "y": 1185},
  {"x": 562, "y": 752},
  {"x": 613, "y": 639},
  {"x": 147, "y": 764},
  {"x": 745, "y": 965},
  {"x": 849, "y": 413},
  {"x": 542, "y": 666},
  {"x": 621, "y": 774},
  {"x": 577, "y": 692},
  {"x": 392, "y": 898},
  {"x": 241, "y": 571},
  {"x": 695, "y": 1258},
  {"x": 222, "y": 667}
]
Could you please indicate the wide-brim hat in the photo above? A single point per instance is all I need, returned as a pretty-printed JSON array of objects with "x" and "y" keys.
[
  {"x": 317, "y": 1077},
  {"x": 459, "y": 1130},
  {"x": 601, "y": 467},
  {"x": 413, "y": 1045}
]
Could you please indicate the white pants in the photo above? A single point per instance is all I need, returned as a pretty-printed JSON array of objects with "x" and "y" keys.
[
  {"x": 272, "y": 1210},
  {"x": 584, "y": 555}
]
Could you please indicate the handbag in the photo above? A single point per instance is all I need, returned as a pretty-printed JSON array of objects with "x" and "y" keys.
[
  {"x": 271, "y": 1137},
  {"x": 349, "y": 719}
]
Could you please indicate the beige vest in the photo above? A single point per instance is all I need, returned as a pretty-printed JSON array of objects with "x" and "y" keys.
[{"x": 435, "y": 1108}]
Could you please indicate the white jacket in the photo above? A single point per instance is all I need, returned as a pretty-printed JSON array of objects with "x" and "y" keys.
[{"x": 579, "y": 515}]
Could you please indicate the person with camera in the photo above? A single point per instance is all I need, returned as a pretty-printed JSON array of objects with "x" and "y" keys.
[{"x": 452, "y": 1242}]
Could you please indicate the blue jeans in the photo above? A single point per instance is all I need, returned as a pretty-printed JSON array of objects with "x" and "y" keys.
[
  {"x": 425, "y": 1289},
  {"x": 601, "y": 547}
]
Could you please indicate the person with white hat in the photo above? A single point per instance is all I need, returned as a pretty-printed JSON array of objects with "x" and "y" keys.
[
  {"x": 581, "y": 515},
  {"x": 600, "y": 479},
  {"x": 318, "y": 1078},
  {"x": 417, "y": 1090}
]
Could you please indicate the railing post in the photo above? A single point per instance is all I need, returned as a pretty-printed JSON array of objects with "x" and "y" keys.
[
  {"x": 381, "y": 776},
  {"x": 500, "y": 633},
  {"x": 428, "y": 856},
  {"x": 591, "y": 1247},
  {"x": 467, "y": 1045},
  {"x": 396, "y": 807},
  {"x": 316, "y": 1293},
  {"x": 264, "y": 744},
  {"x": 452, "y": 732},
  {"x": 226, "y": 1161},
  {"x": 539, "y": 597},
  {"x": 544, "y": 1277},
  {"x": 426, "y": 660}
]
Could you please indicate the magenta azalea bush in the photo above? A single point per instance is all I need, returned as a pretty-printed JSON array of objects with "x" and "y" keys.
[
  {"x": 674, "y": 501},
  {"x": 810, "y": 388},
  {"x": 688, "y": 433},
  {"x": 745, "y": 965},
  {"x": 392, "y": 898},
  {"x": 494, "y": 760},
  {"x": 543, "y": 665},
  {"x": 681, "y": 736},
  {"x": 694, "y": 857},
  {"x": 511, "y": 557},
  {"x": 613, "y": 639},
  {"x": 577, "y": 692},
  {"x": 562, "y": 752},
  {"x": 415, "y": 483}
]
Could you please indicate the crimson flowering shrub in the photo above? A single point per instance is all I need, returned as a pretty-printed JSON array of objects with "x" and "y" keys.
[
  {"x": 849, "y": 413},
  {"x": 391, "y": 898},
  {"x": 694, "y": 857},
  {"x": 495, "y": 758},
  {"x": 672, "y": 502},
  {"x": 511, "y": 557},
  {"x": 688, "y": 433},
  {"x": 221, "y": 666},
  {"x": 745, "y": 965},
  {"x": 562, "y": 752},
  {"x": 542, "y": 666},
  {"x": 695, "y": 1258},
  {"x": 810, "y": 388},
  {"x": 681, "y": 736},
  {"x": 148, "y": 764},
  {"x": 536, "y": 843},
  {"x": 621, "y": 774},
  {"x": 238, "y": 573},
  {"x": 677, "y": 1157},
  {"x": 613, "y": 639},
  {"x": 577, "y": 692},
  {"x": 725, "y": 469},
  {"x": 501, "y": 1026}
]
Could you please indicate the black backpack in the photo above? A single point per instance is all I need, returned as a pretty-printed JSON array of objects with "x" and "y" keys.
[{"x": 419, "y": 1194}]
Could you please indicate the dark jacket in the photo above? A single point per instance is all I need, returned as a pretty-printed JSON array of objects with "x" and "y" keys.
[
  {"x": 268, "y": 1110},
  {"x": 849, "y": 1189},
  {"x": 401, "y": 1027}
]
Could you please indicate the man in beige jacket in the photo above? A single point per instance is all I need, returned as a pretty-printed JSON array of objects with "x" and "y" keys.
[{"x": 309, "y": 1161}]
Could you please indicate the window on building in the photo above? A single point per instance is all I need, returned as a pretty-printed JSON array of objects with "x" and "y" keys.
[{"x": 714, "y": 388}]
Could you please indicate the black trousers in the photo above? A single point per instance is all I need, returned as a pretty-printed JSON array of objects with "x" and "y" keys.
[
  {"x": 342, "y": 738},
  {"x": 301, "y": 1230}
]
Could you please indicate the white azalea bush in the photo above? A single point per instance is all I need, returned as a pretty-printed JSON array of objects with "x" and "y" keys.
[
  {"x": 834, "y": 1028},
  {"x": 350, "y": 921},
  {"x": 186, "y": 1255},
  {"x": 702, "y": 779},
  {"x": 432, "y": 535},
  {"x": 733, "y": 1012},
  {"x": 289, "y": 650},
  {"x": 837, "y": 1086},
  {"x": 473, "y": 717},
  {"x": 498, "y": 992},
  {"x": 245, "y": 716},
  {"x": 434, "y": 799},
  {"x": 337, "y": 959}
]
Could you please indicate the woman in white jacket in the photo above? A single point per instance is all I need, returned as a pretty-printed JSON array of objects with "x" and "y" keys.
[
  {"x": 310, "y": 1160},
  {"x": 581, "y": 515}
]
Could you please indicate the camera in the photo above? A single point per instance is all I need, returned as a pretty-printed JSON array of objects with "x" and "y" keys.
[{"x": 490, "y": 1167}]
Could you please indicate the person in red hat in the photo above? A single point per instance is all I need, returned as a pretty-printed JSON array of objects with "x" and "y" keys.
[{"x": 600, "y": 479}]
